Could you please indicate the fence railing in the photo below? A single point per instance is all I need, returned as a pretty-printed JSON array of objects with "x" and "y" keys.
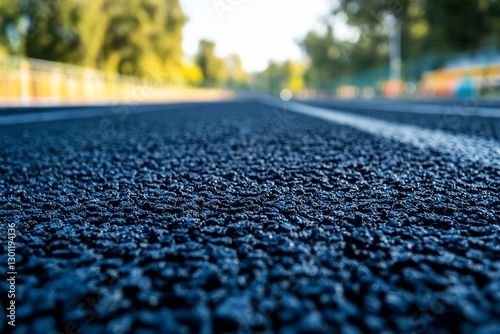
[{"x": 38, "y": 82}]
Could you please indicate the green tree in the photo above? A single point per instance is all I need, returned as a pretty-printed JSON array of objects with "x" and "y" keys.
[
  {"x": 427, "y": 27},
  {"x": 213, "y": 68},
  {"x": 459, "y": 25},
  {"x": 13, "y": 23},
  {"x": 445, "y": 25},
  {"x": 136, "y": 37},
  {"x": 143, "y": 38},
  {"x": 238, "y": 78},
  {"x": 279, "y": 76},
  {"x": 36, "y": 29}
]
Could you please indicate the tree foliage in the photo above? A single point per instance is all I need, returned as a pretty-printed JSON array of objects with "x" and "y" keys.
[
  {"x": 427, "y": 26},
  {"x": 213, "y": 68},
  {"x": 135, "y": 37},
  {"x": 279, "y": 76},
  {"x": 237, "y": 77}
]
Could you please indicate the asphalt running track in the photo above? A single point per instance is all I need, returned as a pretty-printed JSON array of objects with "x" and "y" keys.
[{"x": 251, "y": 216}]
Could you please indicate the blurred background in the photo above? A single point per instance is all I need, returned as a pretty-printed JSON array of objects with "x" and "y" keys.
[{"x": 100, "y": 51}]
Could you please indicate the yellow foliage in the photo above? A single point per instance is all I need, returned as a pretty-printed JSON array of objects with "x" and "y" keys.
[
  {"x": 296, "y": 84},
  {"x": 420, "y": 29},
  {"x": 192, "y": 74}
]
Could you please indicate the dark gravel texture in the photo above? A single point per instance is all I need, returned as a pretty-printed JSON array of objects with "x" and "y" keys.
[{"x": 232, "y": 217}]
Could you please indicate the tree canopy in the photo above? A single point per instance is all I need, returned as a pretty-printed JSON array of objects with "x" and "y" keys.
[
  {"x": 427, "y": 27},
  {"x": 213, "y": 68},
  {"x": 135, "y": 37},
  {"x": 278, "y": 76}
]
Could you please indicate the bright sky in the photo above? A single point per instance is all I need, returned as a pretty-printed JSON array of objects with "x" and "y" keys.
[{"x": 256, "y": 30}]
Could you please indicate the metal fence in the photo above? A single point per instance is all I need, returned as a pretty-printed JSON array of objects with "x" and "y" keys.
[{"x": 38, "y": 82}]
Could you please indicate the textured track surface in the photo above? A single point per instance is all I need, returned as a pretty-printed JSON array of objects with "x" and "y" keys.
[{"x": 233, "y": 217}]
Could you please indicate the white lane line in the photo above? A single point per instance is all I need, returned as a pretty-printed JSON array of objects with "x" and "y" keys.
[
  {"x": 117, "y": 110},
  {"x": 457, "y": 109},
  {"x": 484, "y": 151},
  {"x": 51, "y": 116}
]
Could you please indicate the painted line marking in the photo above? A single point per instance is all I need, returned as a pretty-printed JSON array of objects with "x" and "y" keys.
[
  {"x": 90, "y": 112},
  {"x": 484, "y": 151}
]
